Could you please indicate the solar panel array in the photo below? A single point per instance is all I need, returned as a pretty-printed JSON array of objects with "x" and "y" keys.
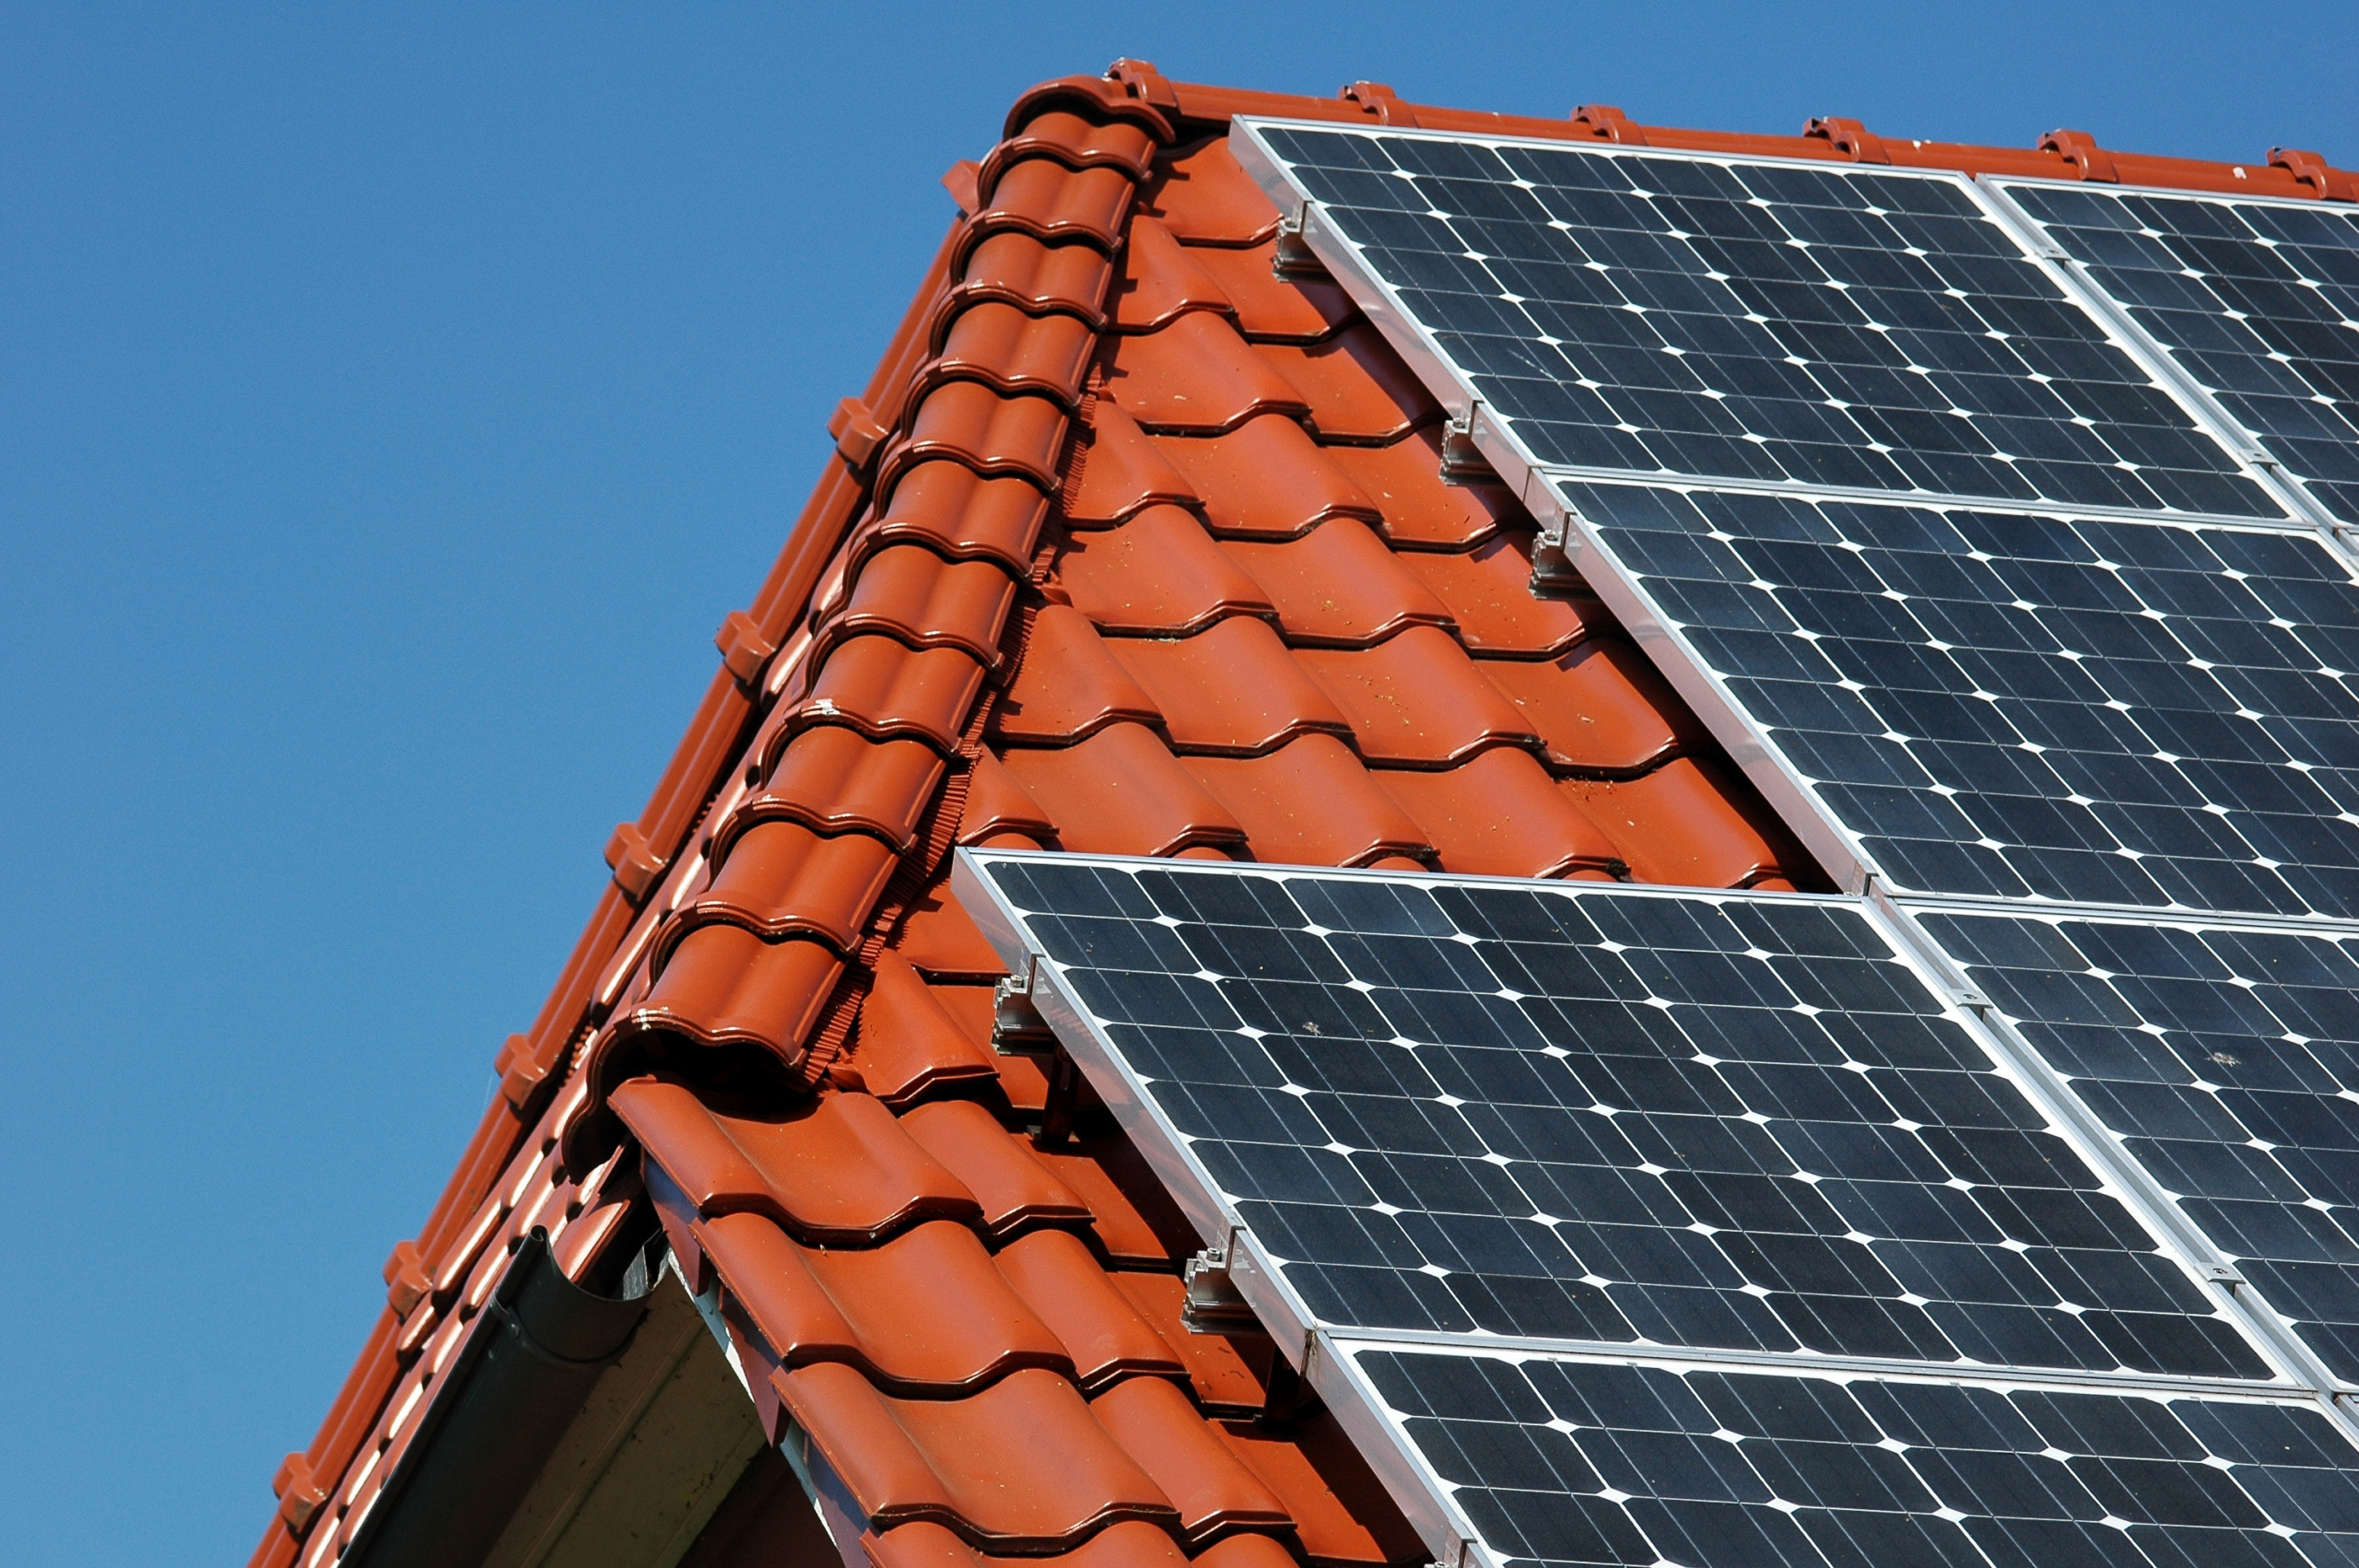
[{"x": 2257, "y": 301}]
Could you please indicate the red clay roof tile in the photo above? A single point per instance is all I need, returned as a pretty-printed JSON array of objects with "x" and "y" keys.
[
  {"x": 1076, "y": 142},
  {"x": 1357, "y": 389},
  {"x": 1159, "y": 574},
  {"x": 1121, "y": 793},
  {"x": 1132, "y": 1543},
  {"x": 1016, "y": 1189},
  {"x": 1068, "y": 685},
  {"x": 1203, "y": 197},
  {"x": 998, "y": 804},
  {"x": 1679, "y": 825},
  {"x": 1339, "y": 1508},
  {"x": 1227, "y": 1371},
  {"x": 1032, "y": 277},
  {"x": 881, "y": 688},
  {"x": 1500, "y": 814},
  {"x": 1265, "y": 479},
  {"x": 1157, "y": 280},
  {"x": 1310, "y": 802},
  {"x": 1121, "y": 472},
  {"x": 1012, "y": 352},
  {"x": 1417, "y": 510},
  {"x": 837, "y": 780},
  {"x": 1600, "y": 709},
  {"x": 1215, "y": 1494},
  {"x": 951, "y": 1462},
  {"x": 1416, "y": 700},
  {"x": 906, "y": 1044},
  {"x": 957, "y": 513},
  {"x": 1041, "y": 197},
  {"x": 1134, "y": 1218},
  {"x": 1488, "y": 591},
  {"x": 835, "y": 1169},
  {"x": 1268, "y": 309},
  {"x": 1339, "y": 586},
  {"x": 909, "y": 592},
  {"x": 724, "y": 985},
  {"x": 1196, "y": 376},
  {"x": 1234, "y": 687},
  {"x": 1065, "y": 1286},
  {"x": 974, "y": 424},
  {"x": 940, "y": 938},
  {"x": 780, "y": 879}
]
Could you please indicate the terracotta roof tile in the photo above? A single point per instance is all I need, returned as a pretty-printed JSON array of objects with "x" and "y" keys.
[
  {"x": 1077, "y": 143},
  {"x": 836, "y": 779},
  {"x": 1121, "y": 471},
  {"x": 1233, "y": 688},
  {"x": 1310, "y": 802},
  {"x": 1339, "y": 1508},
  {"x": 1041, "y": 197},
  {"x": 1157, "y": 280},
  {"x": 957, "y": 513},
  {"x": 1679, "y": 825},
  {"x": 907, "y": 1043},
  {"x": 1357, "y": 389},
  {"x": 1417, "y": 510},
  {"x": 883, "y": 688},
  {"x": 970, "y": 423},
  {"x": 998, "y": 805},
  {"x": 1159, "y": 574},
  {"x": 910, "y": 593},
  {"x": 940, "y": 938},
  {"x": 1502, "y": 816},
  {"x": 1268, "y": 309},
  {"x": 1196, "y": 376},
  {"x": 925, "y": 1312},
  {"x": 1015, "y": 1188},
  {"x": 1599, "y": 709},
  {"x": 951, "y": 1461},
  {"x": 1069, "y": 686},
  {"x": 780, "y": 879},
  {"x": 1488, "y": 591},
  {"x": 1339, "y": 586},
  {"x": 1121, "y": 793},
  {"x": 1416, "y": 699},
  {"x": 1135, "y": 1221},
  {"x": 834, "y": 1169},
  {"x": 1227, "y": 1371},
  {"x": 724, "y": 985},
  {"x": 1033, "y": 277},
  {"x": 1004, "y": 348},
  {"x": 1215, "y": 1494},
  {"x": 1266, "y": 479},
  {"x": 1069, "y": 1290},
  {"x": 1130, "y": 1544},
  {"x": 1203, "y": 197}
]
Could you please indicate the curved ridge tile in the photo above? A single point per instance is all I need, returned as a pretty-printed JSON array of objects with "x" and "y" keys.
[
  {"x": 962, "y": 515},
  {"x": 1041, "y": 197},
  {"x": 1270, "y": 309},
  {"x": 884, "y": 689},
  {"x": 1015, "y": 1190},
  {"x": 834, "y": 780},
  {"x": 1265, "y": 479},
  {"x": 1357, "y": 389},
  {"x": 1216, "y": 1494},
  {"x": 952, "y": 1461},
  {"x": 1122, "y": 471},
  {"x": 1076, "y": 140},
  {"x": 722, "y": 985},
  {"x": 1195, "y": 375},
  {"x": 925, "y": 1312},
  {"x": 1339, "y": 586},
  {"x": 1600, "y": 707},
  {"x": 1010, "y": 351},
  {"x": 1068, "y": 685},
  {"x": 1488, "y": 589},
  {"x": 836, "y": 1168},
  {"x": 1123, "y": 792},
  {"x": 1157, "y": 280},
  {"x": 971, "y": 424},
  {"x": 1679, "y": 825},
  {"x": 1066, "y": 1287},
  {"x": 781, "y": 879},
  {"x": 1205, "y": 198},
  {"x": 1500, "y": 814},
  {"x": 1233, "y": 688},
  {"x": 1417, "y": 510},
  {"x": 1032, "y": 276},
  {"x": 908, "y": 592},
  {"x": 1159, "y": 574},
  {"x": 1311, "y": 802},
  {"x": 906, "y": 1045},
  {"x": 1416, "y": 700}
]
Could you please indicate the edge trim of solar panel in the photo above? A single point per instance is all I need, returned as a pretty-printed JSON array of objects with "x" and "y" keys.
[
  {"x": 2287, "y": 485},
  {"x": 2250, "y": 1302},
  {"x": 1293, "y": 1324}
]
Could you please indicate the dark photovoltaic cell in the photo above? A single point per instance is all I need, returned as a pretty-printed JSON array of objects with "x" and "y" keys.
[
  {"x": 2227, "y": 1060},
  {"x": 1574, "y": 1462},
  {"x": 2153, "y": 714},
  {"x": 1769, "y": 320},
  {"x": 1731, "y": 1121},
  {"x": 2258, "y": 301}
]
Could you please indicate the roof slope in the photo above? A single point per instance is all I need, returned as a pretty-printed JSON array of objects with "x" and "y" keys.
[{"x": 1137, "y": 543}]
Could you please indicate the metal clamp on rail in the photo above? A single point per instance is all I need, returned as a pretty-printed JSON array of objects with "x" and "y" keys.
[
  {"x": 1017, "y": 1024},
  {"x": 1292, "y": 259},
  {"x": 1212, "y": 1305}
]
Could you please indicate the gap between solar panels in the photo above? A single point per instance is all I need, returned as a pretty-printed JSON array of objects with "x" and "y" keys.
[{"x": 1569, "y": 1135}]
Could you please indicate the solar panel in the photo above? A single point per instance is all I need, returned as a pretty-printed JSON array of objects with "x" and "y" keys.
[
  {"x": 1760, "y": 321},
  {"x": 1560, "y": 1461},
  {"x": 2029, "y": 706},
  {"x": 1592, "y": 1113},
  {"x": 2226, "y": 1059},
  {"x": 2257, "y": 301}
]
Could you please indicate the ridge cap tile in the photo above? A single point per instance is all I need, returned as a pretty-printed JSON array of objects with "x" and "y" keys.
[
  {"x": 1030, "y": 273},
  {"x": 782, "y": 878},
  {"x": 834, "y": 780},
  {"x": 960, "y": 515}
]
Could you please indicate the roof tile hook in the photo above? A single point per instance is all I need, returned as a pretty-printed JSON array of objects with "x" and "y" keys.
[
  {"x": 1143, "y": 82},
  {"x": 1381, "y": 101},
  {"x": 1849, "y": 138},
  {"x": 2317, "y": 176},
  {"x": 1608, "y": 124},
  {"x": 2080, "y": 150}
]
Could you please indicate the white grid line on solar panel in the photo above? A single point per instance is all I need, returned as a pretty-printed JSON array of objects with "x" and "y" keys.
[
  {"x": 2018, "y": 705},
  {"x": 2225, "y": 1058},
  {"x": 1554, "y": 1460},
  {"x": 1670, "y": 313},
  {"x": 2256, "y": 300},
  {"x": 1608, "y": 1115}
]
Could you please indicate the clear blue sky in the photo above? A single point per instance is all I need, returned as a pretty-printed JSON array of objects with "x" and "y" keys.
[{"x": 390, "y": 409}]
